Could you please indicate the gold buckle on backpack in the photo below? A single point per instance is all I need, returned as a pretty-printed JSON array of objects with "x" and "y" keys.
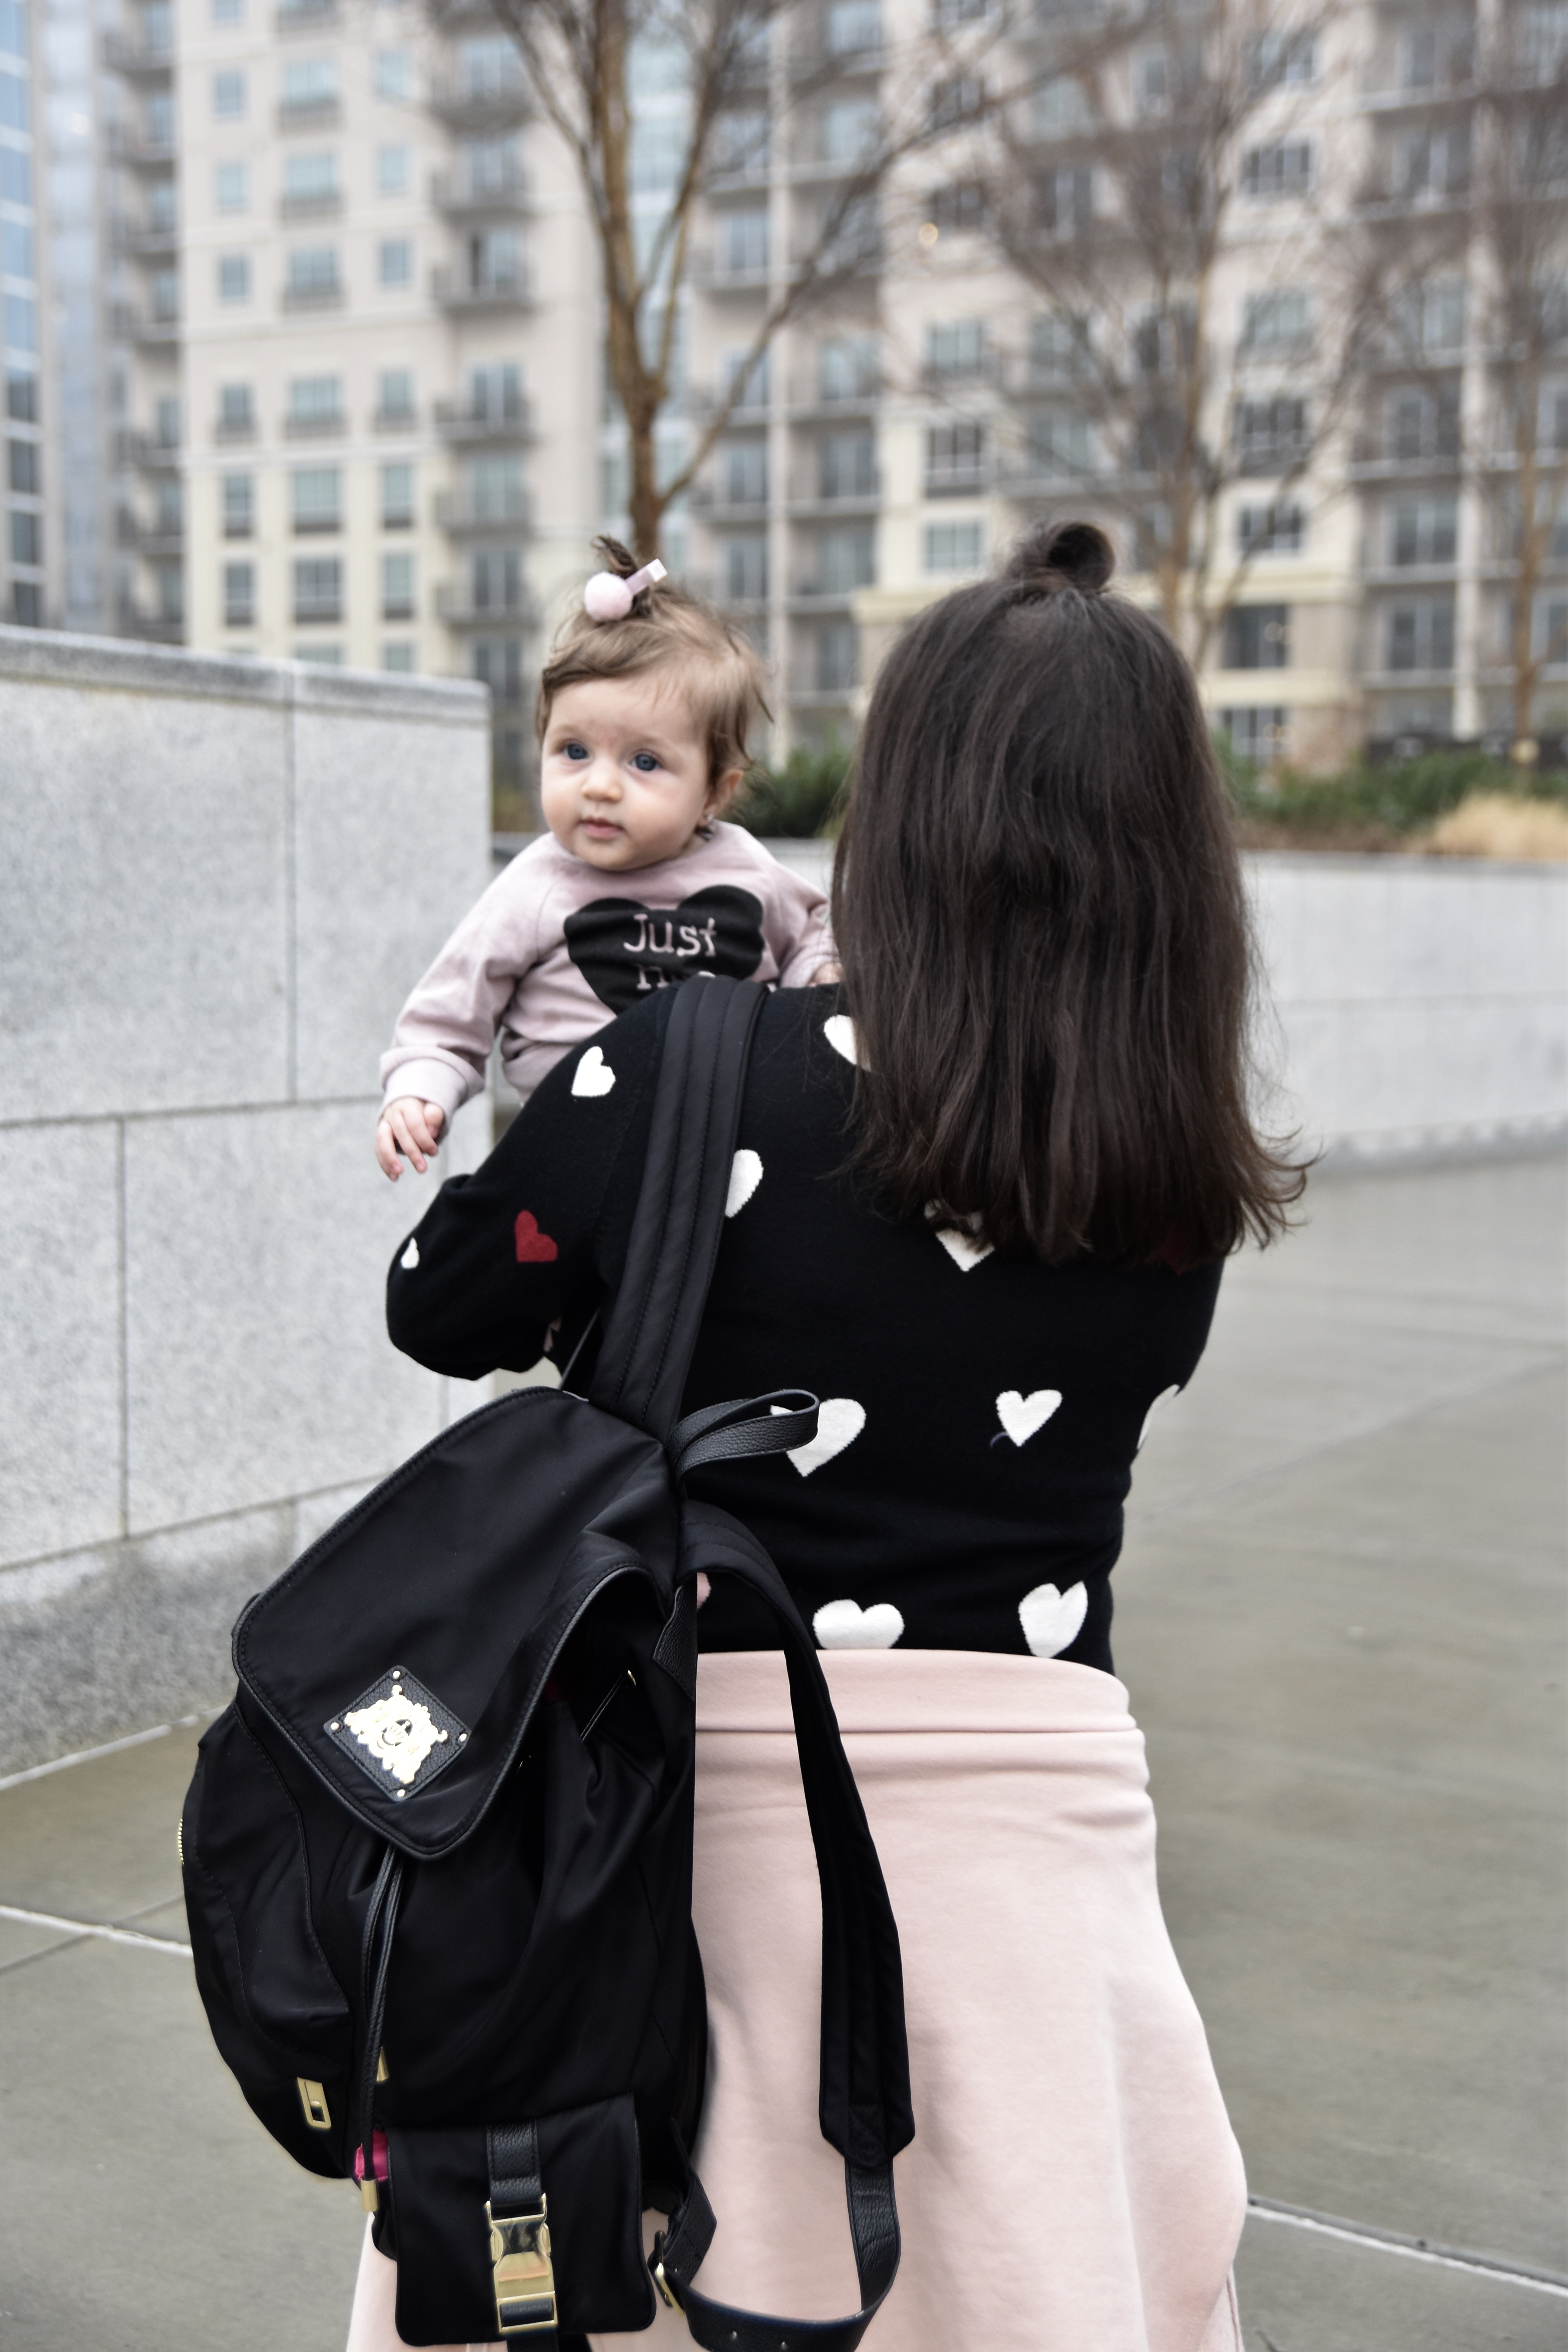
[{"x": 523, "y": 2273}]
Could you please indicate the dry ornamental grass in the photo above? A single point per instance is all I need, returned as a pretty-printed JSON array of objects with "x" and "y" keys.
[{"x": 1497, "y": 824}]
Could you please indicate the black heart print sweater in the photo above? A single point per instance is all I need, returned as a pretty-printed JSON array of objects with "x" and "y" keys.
[{"x": 980, "y": 1415}]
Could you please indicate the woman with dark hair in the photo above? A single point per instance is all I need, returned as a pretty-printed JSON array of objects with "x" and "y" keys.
[{"x": 983, "y": 1195}]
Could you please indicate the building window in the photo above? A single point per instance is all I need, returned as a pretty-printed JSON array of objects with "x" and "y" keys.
[
  {"x": 228, "y": 12},
  {"x": 166, "y": 420},
  {"x": 958, "y": 209},
  {"x": 26, "y": 536},
  {"x": 395, "y": 398},
  {"x": 309, "y": 87},
  {"x": 23, "y": 469},
  {"x": 1258, "y": 731},
  {"x": 234, "y": 277},
  {"x": 1422, "y": 424},
  {"x": 850, "y": 26},
  {"x": 236, "y": 415},
  {"x": 746, "y": 568},
  {"x": 945, "y": 13},
  {"x": 392, "y": 74},
  {"x": 1421, "y": 635},
  {"x": 310, "y": 181},
  {"x": 169, "y": 583},
  {"x": 847, "y": 368},
  {"x": 239, "y": 595},
  {"x": 313, "y": 274},
  {"x": 1268, "y": 435},
  {"x": 323, "y": 656},
  {"x": 1284, "y": 168},
  {"x": 955, "y": 459},
  {"x": 1429, "y": 318},
  {"x": 1258, "y": 636},
  {"x": 396, "y": 498},
  {"x": 498, "y": 664},
  {"x": 239, "y": 506},
  {"x": 399, "y": 658},
  {"x": 955, "y": 547},
  {"x": 1271, "y": 529},
  {"x": 1279, "y": 321},
  {"x": 838, "y": 657},
  {"x": 958, "y": 347},
  {"x": 495, "y": 580},
  {"x": 1060, "y": 445},
  {"x": 1554, "y": 635},
  {"x": 19, "y": 321},
  {"x": 397, "y": 587},
  {"x": 744, "y": 473},
  {"x": 1064, "y": 200},
  {"x": 317, "y": 588},
  {"x": 394, "y": 171},
  {"x": 229, "y": 94},
  {"x": 1283, "y": 60},
  {"x": 315, "y": 404},
  {"x": 21, "y": 398},
  {"x": 395, "y": 261},
  {"x": 745, "y": 241},
  {"x": 231, "y": 191},
  {"x": 15, "y": 249},
  {"x": 495, "y": 391},
  {"x": 27, "y": 604},
  {"x": 16, "y": 176},
  {"x": 1423, "y": 530},
  {"x": 847, "y": 466},
  {"x": 846, "y": 560},
  {"x": 317, "y": 493}
]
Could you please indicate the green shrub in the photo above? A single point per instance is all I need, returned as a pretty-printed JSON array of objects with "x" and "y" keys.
[
  {"x": 795, "y": 801},
  {"x": 1402, "y": 798}
]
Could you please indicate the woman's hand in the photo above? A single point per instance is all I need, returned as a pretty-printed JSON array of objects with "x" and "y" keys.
[{"x": 407, "y": 1130}]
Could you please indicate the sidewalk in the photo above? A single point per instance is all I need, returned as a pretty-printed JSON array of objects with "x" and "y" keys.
[{"x": 1341, "y": 1615}]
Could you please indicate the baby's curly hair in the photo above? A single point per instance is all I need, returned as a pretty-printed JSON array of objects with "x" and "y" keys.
[{"x": 667, "y": 628}]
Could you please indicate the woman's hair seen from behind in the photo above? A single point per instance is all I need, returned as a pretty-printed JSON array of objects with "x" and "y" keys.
[{"x": 1041, "y": 918}]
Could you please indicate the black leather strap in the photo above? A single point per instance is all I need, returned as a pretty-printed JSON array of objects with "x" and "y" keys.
[
  {"x": 517, "y": 2186},
  {"x": 679, "y": 2253},
  {"x": 769, "y": 1425},
  {"x": 651, "y": 1326}
]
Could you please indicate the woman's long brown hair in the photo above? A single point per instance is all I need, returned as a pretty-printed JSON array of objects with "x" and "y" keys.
[{"x": 1041, "y": 918}]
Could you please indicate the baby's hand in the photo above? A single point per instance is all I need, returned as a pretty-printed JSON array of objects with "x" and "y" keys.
[{"x": 409, "y": 1129}]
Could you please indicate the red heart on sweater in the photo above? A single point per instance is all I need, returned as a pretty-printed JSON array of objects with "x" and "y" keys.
[{"x": 533, "y": 1249}]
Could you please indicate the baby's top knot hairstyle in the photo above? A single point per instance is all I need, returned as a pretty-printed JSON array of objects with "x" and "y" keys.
[
  {"x": 634, "y": 618},
  {"x": 1063, "y": 555}
]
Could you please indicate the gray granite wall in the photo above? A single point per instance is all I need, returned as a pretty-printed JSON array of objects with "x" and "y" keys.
[{"x": 217, "y": 880}]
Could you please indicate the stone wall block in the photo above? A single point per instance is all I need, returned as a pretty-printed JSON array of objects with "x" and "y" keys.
[
  {"x": 61, "y": 1454},
  {"x": 259, "y": 1367},
  {"x": 142, "y": 900},
  {"x": 392, "y": 828}
]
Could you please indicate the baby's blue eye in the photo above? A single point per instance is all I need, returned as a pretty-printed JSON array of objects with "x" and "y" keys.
[
  {"x": 575, "y": 751},
  {"x": 646, "y": 761}
]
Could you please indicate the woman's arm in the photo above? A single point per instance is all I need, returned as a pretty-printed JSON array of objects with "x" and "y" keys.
[{"x": 542, "y": 1227}]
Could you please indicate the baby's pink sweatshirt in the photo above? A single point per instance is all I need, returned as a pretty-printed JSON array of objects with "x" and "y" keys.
[{"x": 555, "y": 948}]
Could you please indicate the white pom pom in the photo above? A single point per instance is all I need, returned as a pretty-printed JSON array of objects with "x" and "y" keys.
[{"x": 607, "y": 597}]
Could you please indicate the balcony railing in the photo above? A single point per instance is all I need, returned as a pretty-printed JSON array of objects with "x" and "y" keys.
[
  {"x": 159, "y": 628},
  {"x": 494, "y": 289},
  {"x": 309, "y": 204},
  {"x": 235, "y": 428},
  {"x": 327, "y": 295},
  {"x": 138, "y": 61},
  {"x": 863, "y": 496},
  {"x": 311, "y": 425},
  {"x": 462, "y": 512},
  {"x": 147, "y": 449},
  {"x": 138, "y": 149},
  {"x": 458, "y": 606},
  {"x": 459, "y": 420},
  {"x": 314, "y": 113},
  {"x": 142, "y": 240},
  {"x": 460, "y": 194},
  {"x": 145, "y": 326},
  {"x": 492, "y": 99},
  {"x": 155, "y": 538},
  {"x": 307, "y": 15},
  {"x": 395, "y": 420}
]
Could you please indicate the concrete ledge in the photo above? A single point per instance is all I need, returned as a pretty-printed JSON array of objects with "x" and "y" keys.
[{"x": 52, "y": 657}]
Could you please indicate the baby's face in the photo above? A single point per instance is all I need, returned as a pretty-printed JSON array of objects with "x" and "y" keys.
[{"x": 624, "y": 775}]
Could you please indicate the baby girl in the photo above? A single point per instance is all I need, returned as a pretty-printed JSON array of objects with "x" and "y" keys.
[{"x": 645, "y": 706}]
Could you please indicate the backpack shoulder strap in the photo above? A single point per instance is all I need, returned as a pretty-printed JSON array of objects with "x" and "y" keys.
[{"x": 652, "y": 1324}]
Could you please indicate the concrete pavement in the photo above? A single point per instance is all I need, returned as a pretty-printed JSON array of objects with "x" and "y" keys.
[{"x": 1341, "y": 1614}]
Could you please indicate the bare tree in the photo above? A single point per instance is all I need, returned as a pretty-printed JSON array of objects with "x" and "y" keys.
[
  {"x": 1124, "y": 198},
  {"x": 578, "y": 57}
]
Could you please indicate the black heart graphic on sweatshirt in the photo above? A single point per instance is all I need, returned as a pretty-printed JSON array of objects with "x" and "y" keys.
[{"x": 623, "y": 948}]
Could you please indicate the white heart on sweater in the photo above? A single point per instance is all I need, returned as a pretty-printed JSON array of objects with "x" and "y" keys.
[
  {"x": 745, "y": 1175},
  {"x": 966, "y": 1250},
  {"x": 844, "y": 1625},
  {"x": 1050, "y": 1619},
  {"x": 839, "y": 1422},
  {"x": 1021, "y": 1415},
  {"x": 593, "y": 1075},
  {"x": 839, "y": 1032},
  {"x": 410, "y": 1257},
  {"x": 1164, "y": 1398}
]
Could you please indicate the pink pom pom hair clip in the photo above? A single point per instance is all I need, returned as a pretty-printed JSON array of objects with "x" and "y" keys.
[{"x": 609, "y": 597}]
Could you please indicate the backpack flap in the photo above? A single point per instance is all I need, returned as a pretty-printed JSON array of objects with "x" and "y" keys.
[
  {"x": 514, "y": 2231},
  {"x": 404, "y": 1653}
]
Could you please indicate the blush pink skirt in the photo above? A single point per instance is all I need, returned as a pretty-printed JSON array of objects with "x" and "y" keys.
[{"x": 1074, "y": 2180}]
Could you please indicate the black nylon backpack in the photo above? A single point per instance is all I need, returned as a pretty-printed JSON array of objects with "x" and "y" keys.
[{"x": 438, "y": 1852}]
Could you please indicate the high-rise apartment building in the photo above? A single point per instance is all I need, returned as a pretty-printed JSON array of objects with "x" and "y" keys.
[{"x": 309, "y": 359}]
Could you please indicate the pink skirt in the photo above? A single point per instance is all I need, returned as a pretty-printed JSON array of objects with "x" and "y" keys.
[{"x": 1073, "y": 2180}]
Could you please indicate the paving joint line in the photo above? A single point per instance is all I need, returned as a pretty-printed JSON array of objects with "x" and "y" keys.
[
  {"x": 1497, "y": 2268},
  {"x": 75, "y": 1929}
]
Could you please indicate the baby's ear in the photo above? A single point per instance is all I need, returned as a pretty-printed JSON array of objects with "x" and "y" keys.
[{"x": 722, "y": 792}]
